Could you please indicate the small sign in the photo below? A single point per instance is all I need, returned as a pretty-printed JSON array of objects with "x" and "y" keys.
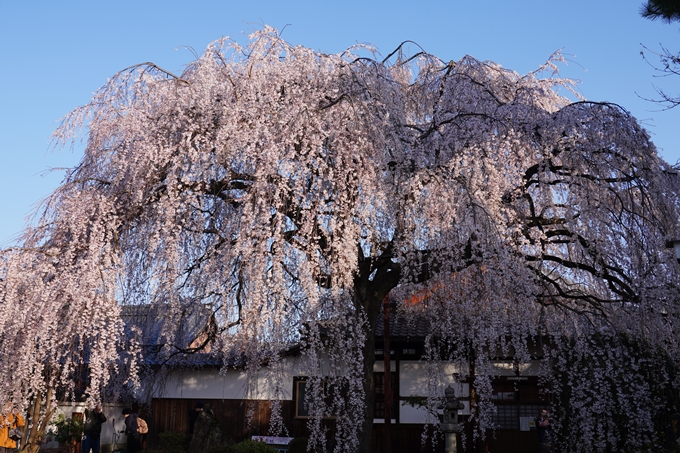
[
  {"x": 273, "y": 440},
  {"x": 525, "y": 423}
]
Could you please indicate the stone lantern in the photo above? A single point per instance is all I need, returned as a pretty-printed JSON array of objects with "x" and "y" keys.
[{"x": 449, "y": 425}]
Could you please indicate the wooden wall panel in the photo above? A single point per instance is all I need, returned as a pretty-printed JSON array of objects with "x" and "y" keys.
[{"x": 172, "y": 415}]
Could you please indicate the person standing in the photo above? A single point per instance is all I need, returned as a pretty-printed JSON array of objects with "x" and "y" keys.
[
  {"x": 142, "y": 427},
  {"x": 10, "y": 418},
  {"x": 544, "y": 430},
  {"x": 134, "y": 442},
  {"x": 193, "y": 416},
  {"x": 92, "y": 431}
]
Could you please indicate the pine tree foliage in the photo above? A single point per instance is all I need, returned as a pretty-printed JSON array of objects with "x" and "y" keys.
[
  {"x": 290, "y": 191},
  {"x": 666, "y": 10},
  {"x": 669, "y": 63}
]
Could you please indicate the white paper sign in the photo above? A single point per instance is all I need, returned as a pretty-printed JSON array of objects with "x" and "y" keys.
[{"x": 525, "y": 423}]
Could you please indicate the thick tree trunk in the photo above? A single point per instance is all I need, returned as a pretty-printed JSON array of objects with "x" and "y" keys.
[
  {"x": 366, "y": 436},
  {"x": 375, "y": 278},
  {"x": 371, "y": 304},
  {"x": 387, "y": 440},
  {"x": 39, "y": 415},
  {"x": 30, "y": 448}
]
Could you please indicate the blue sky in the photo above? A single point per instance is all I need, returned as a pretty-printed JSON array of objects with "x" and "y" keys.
[{"x": 55, "y": 54}]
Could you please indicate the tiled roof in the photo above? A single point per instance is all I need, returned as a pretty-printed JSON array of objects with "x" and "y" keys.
[
  {"x": 150, "y": 321},
  {"x": 403, "y": 327}
]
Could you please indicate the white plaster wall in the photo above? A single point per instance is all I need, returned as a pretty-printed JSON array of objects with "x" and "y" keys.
[
  {"x": 525, "y": 369},
  {"x": 413, "y": 379},
  {"x": 413, "y": 382},
  {"x": 379, "y": 367},
  {"x": 209, "y": 383},
  {"x": 409, "y": 414},
  {"x": 206, "y": 383}
]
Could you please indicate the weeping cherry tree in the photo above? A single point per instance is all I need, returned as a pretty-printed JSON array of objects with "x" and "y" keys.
[{"x": 292, "y": 191}]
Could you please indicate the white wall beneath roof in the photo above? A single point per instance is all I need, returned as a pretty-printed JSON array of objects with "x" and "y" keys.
[
  {"x": 507, "y": 368},
  {"x": 379, "y": 366},
  {"x": 206, "y": 383},
  {"x": 413, "y": 379},
  {"x": 413, "y": 382},
  {"x": 209, "y": 383}
]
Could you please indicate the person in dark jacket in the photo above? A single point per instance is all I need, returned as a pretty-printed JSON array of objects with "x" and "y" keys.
[
  {"x": 193, "y": 416},
  {"x": 92, "y": 430},
  {"x": 134, "y": 442},
  {"x": 544, "y": 430}
]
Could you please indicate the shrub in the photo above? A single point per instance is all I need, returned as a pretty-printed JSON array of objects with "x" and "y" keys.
[
  {"x": 220, "y": 449},
  {"x": 67, "y": 430},
  {"x": 298, "y": 445},
  {"x": 172, "y": 442},
  {"x": 252, "y": 446}
]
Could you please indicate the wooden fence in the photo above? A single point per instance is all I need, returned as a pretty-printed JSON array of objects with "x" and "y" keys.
[{"x": 172, "y": 415}]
